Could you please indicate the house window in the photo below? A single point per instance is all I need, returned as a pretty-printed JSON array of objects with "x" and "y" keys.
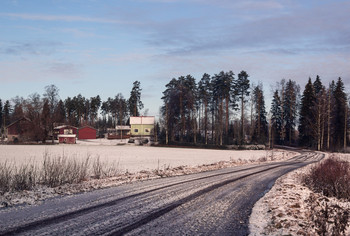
[
  {"x": 136, "y": 130},
  {"x": 68, "y": 131},
  {"x": 147, "y": 130}
]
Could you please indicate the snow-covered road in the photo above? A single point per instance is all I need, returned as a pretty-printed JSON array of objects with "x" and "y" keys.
[{"x": 209, "y": 203}]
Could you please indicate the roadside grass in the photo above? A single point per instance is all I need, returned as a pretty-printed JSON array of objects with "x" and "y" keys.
[
  {"x": 53, "y": 171},
  {"x": 331, "y": 178}
]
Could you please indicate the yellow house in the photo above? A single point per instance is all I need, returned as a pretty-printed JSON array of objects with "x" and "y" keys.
[{"x": 142, "y": 125}]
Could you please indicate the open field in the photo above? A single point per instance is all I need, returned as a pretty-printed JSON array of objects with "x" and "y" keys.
[{"x": 132, "y": 158}]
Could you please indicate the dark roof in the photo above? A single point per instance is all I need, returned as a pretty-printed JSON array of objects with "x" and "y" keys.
[
  {"x": 87, "y": 126},
  {"x": 15, "y": 122}
]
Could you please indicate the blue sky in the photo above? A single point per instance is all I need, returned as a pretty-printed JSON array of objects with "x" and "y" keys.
[{"x": 101, "y": 47}]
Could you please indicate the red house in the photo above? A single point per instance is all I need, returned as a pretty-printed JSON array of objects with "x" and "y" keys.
[
  {"x": 64, "y": 129},
  {"x": 87, "y": 132},
  {"x": 17, "y": 129}
]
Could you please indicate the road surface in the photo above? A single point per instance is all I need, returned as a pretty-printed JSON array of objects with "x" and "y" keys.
[{"x": 208, "y": 203}]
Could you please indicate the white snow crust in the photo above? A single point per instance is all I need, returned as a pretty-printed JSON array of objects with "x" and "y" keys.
[{"x": 287, "y": 208}]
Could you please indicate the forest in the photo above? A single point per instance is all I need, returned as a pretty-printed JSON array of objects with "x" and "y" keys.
[{"x": 218, "y": 110}]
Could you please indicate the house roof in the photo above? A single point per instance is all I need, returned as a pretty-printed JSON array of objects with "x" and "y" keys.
[
  {"x": 87, "y": 126},
  {"x": 63, "y": 126},
  {"x": 22, "y": 118},
  {"x": 122, "y": 127},
  {"x": 144, "y": 120}
]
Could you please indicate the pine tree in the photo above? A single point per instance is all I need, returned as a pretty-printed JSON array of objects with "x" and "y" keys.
[
  {"x": 290, "y": 108},
  {"x": 261, "y": 129},
  {"x": 204, "y": 91},
  {"x": 135, "y": 103},
  {"x": 307, "y": 116},
  {"x": 241, "y": 91}
]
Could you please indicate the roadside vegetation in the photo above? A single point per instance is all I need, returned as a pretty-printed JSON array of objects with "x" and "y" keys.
[
  {"x": 53, "y": 171},
  {"x": 331, "y": 178}
]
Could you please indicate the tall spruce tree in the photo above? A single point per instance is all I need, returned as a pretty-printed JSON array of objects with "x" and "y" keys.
[
  {"x": 276, "y": 119},
  {"x": 1, "y": 123},
  {"x": 340, "y": 126},
  {"x": 307, "y": 117}
]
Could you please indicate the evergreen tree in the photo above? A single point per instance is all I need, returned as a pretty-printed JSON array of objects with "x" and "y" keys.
[
  {"x": 95, "y": 103},
  {"x": 340, "y": 114},
  {"x": 317, "y": 85},
  {"x": 241, "y": 91},
  {"x": 260, "y": 134},
  {"x": 60, "y": 113},
  {"x": 307, "y": 116},
  {"x": 290, "y": 108},
  {"x": 134, "y": 102},
  {"x": 1, "y": 123},
  {"x": 276, "y": 119},
  {"x": 204, "y": 91},
  {"x": 6, "y": 113}
]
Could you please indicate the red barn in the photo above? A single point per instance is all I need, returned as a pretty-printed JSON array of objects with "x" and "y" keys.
[{"x": 87, "y": 132}]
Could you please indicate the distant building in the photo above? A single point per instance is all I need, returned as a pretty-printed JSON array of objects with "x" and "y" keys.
[
  {"x": 142, "y": 126},
  {"x": 16, "y": 130},
  {"x": 64, "y": 129},
  {"x": 120, "y": 132},
  {"x": 67, "y": 138},
  {"x": 87, "y": 132}
]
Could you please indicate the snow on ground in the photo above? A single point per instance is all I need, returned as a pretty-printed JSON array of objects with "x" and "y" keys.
[
  {"x": 135, "y": 163},
  {"x": 288, "y": 208},
  {"x": 131, "y": 158}
]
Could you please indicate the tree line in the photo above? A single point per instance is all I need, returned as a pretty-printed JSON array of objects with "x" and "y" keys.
[
  {"x": 47, "y": 111},
  {"x": 222, "y": 109},
  {"x": 225, "y": 109}
]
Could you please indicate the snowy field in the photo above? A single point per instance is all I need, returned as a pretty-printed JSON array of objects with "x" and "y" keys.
[{"x": 132, "y": 158}]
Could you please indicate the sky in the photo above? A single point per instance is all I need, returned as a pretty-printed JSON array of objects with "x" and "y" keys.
[{"x": 95, "y": 47}]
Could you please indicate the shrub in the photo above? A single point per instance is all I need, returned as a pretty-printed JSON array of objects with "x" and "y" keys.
[
  {"x": 61, "y": 170},
  {"x": 331, "y": 178}
]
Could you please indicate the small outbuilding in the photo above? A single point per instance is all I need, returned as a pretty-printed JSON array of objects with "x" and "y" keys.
[
  {"x": 87, "y": 132},
  {"x": 67, "y": 138}
]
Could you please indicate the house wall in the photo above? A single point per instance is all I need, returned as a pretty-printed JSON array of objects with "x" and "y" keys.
[
  {"x": 69, "y": 139},
  {"x": 87, "y": 133},
  {"x": 144, "y": 130}
]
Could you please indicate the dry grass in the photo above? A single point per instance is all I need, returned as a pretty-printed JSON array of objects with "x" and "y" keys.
[{"x": 53, "y": 171}]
